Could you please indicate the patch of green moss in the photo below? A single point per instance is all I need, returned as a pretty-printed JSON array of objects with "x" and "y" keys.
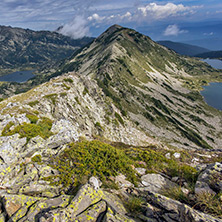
[
  {"x": 32, "y": 118},
  {"x": 85, "y": 91},
  {"x": 68, "y": 80},
  {"x": 63, "y": 94},
  {"x": 119, "y": 118},
  {"x": 30, "y": 130},
  {"x": 52, "y": 97},
  {"x": 6, "y": 129},
  {"x": 37, "y": 158},
  {"x": 33, "y": 103},
  {"x": 65, "y": 86},
  {"x": 77, "y": 100}
]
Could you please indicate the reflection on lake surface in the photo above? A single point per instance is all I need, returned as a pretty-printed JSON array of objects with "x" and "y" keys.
[
  {"x": 213, "y": 94},
  {"x": 18, "y": 76},
  {"x": 215, "y": 63}
]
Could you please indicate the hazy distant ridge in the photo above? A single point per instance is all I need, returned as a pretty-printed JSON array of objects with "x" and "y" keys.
[{"x": 184, "y": 49}]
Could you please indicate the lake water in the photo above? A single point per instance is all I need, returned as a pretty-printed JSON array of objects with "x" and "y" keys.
[
  {"x": 18, "y": 76},
  {"x": 215, "y": 63},
  {"x": 213, "y": 94}
]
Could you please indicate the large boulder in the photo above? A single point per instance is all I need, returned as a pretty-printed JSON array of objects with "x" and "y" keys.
[
  {"x": 161, "y": 208},
  {"x": 10, "y": 151},
  {"x": 210, "y": 179},
  {"x": 156, "y": 183},
  {"x": 64, "y": 132}
]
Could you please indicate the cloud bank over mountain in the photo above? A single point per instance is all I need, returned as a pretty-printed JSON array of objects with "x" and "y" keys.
[{"x": 91, "y": 17}]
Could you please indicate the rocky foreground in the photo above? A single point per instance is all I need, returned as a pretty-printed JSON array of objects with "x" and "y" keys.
[{"x": 27, "y": 195}]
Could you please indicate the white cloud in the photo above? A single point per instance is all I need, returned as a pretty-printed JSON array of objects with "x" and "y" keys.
[
  {"x": 96, "y": 17},
  {"x": 164, "y": 11},
  {"x": 128, "y": 16},
  {"x": 78, "y": 28},
  {"x": 173, "y": 30},
  {"x": 209, "y": 34}
]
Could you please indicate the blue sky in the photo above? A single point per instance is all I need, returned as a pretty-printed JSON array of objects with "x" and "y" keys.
[{"x": 185, "y": 20}]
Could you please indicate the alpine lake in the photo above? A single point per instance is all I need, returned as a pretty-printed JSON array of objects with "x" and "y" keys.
[{"x": 212, "y": 93}]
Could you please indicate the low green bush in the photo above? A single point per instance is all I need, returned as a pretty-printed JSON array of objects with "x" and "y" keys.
[{"x": 94, "y": 158}]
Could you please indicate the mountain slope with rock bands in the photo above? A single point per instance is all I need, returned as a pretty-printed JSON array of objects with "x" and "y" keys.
[{"x": 140, "y": 101}]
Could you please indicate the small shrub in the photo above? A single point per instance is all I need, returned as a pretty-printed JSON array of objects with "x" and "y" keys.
[
  {"x": 85, "y": 91},
  {"x": 68, "y": 80},
  {"x": 33, "y": 103},
  {"x": 209, "y": 203},
  {"x": 177, "y": 194},
  {"x": 98, "y": 125},
  {"x": 134, "y": 204},
  {"x": 63, "y": 94},
  {"x": 119, "y": 118},
  {"x": 32, "y": 118},
  {"x": 6, "y": 129},
  {"x": 65, "y": 86},
  {"x": 77, "y": 100},
  {"x": 52, "y": 97},
  {"x": 37, "y": 158},
  {"x": 1, "y": 99}
]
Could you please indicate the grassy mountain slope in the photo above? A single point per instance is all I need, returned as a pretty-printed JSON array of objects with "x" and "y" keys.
[
  {"x": 125, "y": 87},
  {"x": 27, "y": 48},
  {"x": 184, "y": 49}
]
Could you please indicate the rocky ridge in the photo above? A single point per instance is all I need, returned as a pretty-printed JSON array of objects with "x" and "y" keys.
[{"x": 155, "y": 87}]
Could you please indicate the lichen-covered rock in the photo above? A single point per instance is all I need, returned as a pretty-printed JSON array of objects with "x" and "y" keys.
[
  {"x": 210, "y": 179},
  {"x": 39, "y": 188},
  {"x": 62, "y": 125},
  {"x": 92, "y": 213},
  {"x": 89, "y": 204},
  {"x": 10, "y": 148},
  {"x": 16, "y": 206},
  {"x": 35, "y": 144}
]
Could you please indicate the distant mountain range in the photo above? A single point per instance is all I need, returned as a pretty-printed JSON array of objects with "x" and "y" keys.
[
  {"x": 23, "y": 47},
  {"x": 211, "y": 55},
  {"x": 184, "y": 49},
  {"x": 213, "y": 44}
]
